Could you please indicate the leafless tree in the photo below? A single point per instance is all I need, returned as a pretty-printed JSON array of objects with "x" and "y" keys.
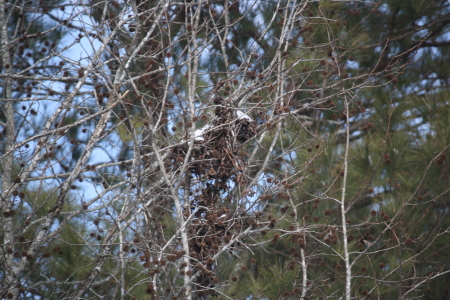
[{"x": 141, "y": 152}]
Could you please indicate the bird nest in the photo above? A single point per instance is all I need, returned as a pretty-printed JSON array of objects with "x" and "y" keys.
[
  {"x": 217, "y": 154},
  {"x": 216, "y": 160}
]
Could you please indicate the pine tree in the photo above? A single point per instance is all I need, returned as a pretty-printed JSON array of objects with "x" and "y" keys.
[
  {"x": 209, "y": 150},
  {"x": 396, "y": 177}
]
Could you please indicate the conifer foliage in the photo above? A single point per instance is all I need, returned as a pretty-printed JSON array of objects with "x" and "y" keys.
[{"x": 224, "y": 149}]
